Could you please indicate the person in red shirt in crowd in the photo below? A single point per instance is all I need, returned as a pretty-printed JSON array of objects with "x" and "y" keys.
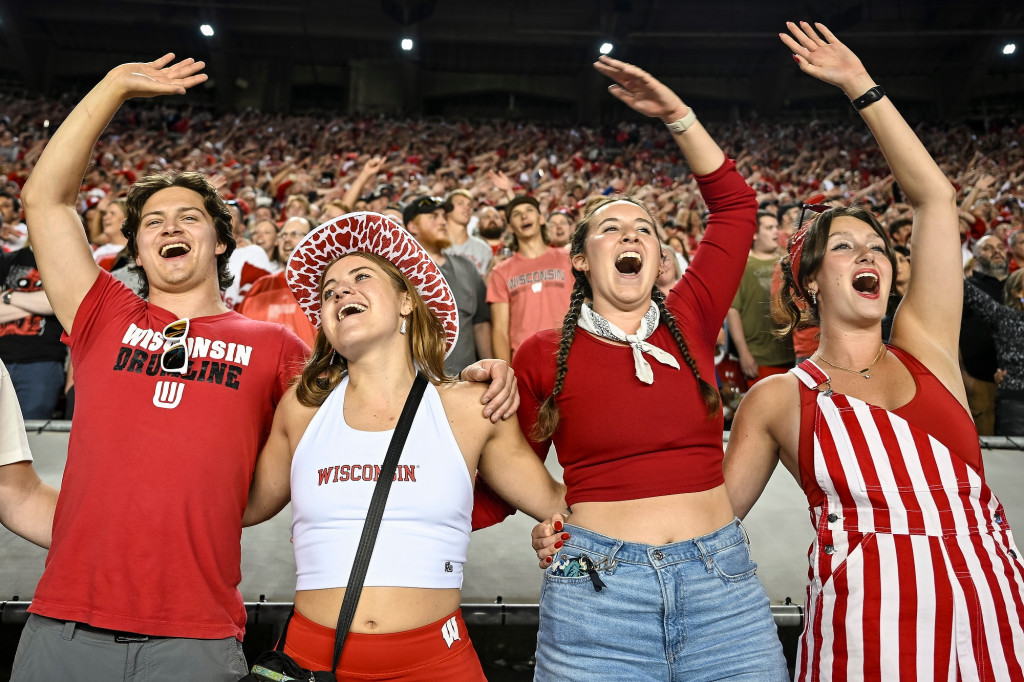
[
  {"x": 269, "y": 298},
  {"x": 529, "y": 291},
  {"x": 625, "y": 392}
]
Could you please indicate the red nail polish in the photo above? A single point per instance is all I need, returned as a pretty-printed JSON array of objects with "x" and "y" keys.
[
  {"x": 795, "y": 59},
  {"x": 547, "y": 560},
  {"x": 558, "y": 545},
  {"x": 558, "y": 526},
  {"x": 565, "y": 536}
]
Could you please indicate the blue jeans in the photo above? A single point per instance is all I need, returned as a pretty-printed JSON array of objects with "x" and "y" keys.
[
  {"x": 38, "y": 385},
  {"x": 692, "y": 610}
]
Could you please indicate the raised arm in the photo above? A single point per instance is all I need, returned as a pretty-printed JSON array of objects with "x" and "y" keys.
[
  {"x": 62, "y": 251},
  {"x": 645, "y": 94},
  {"x": 928, "y": 323}
]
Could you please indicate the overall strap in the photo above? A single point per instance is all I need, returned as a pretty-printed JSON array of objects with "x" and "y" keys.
[
  {"x": 810, "y": 375},
  {"x": 373, "y": 517}
]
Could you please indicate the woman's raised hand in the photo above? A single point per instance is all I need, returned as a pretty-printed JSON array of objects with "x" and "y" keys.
[
  {"x": 641, "y": 91},
  {"x": 158, "y": 77},
  {"x": 825, "y": 57}
]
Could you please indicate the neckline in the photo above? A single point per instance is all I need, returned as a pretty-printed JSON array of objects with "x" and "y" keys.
[
  {"x": 344, "y": 386},
  {"x": 896, "y": 410}
]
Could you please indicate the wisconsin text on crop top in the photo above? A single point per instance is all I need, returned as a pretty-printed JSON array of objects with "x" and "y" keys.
[
  {"x": 424, "y": 533},
  {"x": 618, "y": 438}
]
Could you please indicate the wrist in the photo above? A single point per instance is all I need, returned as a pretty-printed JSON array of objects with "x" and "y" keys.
[
  {"x": 675, "y": 114},
  {"x": 858, "y": 85}
]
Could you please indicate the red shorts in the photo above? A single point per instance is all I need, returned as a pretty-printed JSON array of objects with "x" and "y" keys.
[{"x": 438, "y": 652}]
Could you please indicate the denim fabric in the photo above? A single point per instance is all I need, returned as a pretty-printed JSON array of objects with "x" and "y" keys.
[
  {"x": 38, "y": 385},
  {"x": 691, "y": 610}
]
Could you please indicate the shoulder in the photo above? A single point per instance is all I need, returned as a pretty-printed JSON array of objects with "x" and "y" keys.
[
  {"x": 773, "y": 396},
  {"x": 462, "y": 401},
  {"x": 540, "y": 343},
  {"x": 460, "y": 264}
]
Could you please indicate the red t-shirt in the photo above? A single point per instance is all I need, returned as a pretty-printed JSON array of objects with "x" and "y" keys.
[
  {"x": 536, "y": 290},
  {"x": 621, "y": 439},
  {"x": 271, "y": 300},
  {"x": 147, "y": 533}
]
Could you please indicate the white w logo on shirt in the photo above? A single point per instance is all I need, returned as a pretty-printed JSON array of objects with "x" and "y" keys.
[
  {"x": 450, "y": 631},
  {"x": 168, "y": 394}
]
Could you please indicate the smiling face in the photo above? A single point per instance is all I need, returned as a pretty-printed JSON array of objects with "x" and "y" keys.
[
  {"x": 621, "y": 256},
  {"x": 177, "y": 242},
  {"x": 112, "y": 220},
  {"x": 855, "y": 275},
  {"x": 264, "y": 235},
  {"x": 362, "y": 306}
]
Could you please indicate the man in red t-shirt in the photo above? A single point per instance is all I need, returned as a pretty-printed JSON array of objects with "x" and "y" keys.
[
  {"x": 176, "y": 396},
  {"x": 530, "y": 291}
]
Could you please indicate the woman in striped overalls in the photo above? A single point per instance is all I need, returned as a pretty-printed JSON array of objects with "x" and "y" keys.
[{"x": 914, "y": 574}]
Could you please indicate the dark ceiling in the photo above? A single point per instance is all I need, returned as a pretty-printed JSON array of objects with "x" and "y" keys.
[{"x": 946, "y": 55}]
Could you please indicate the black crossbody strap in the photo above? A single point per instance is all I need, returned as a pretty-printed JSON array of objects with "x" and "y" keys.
[{"x": 373, "y": 516}]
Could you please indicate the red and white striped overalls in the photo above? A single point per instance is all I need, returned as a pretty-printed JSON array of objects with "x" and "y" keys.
[{"x": 913, "y": 574}]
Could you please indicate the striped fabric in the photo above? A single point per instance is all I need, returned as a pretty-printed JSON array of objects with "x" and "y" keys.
[{"x": 914, "y": 574}]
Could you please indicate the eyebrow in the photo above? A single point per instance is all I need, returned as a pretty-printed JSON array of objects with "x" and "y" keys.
[
  {"x": 184, "y": 209},
  {"x": 616, "y": 219},
  {"x": 350, "y": 272}
]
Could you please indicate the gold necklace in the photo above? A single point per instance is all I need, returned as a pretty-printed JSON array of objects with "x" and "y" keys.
[{"x": 866, "y": 372}]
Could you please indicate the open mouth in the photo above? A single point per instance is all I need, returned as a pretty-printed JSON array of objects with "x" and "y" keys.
[
  {"x": 350, "y": 309},
  {"x": 866, "y": 283},
  {"x": 174, "y": 250},
  {"x": 629, "y": 263}
]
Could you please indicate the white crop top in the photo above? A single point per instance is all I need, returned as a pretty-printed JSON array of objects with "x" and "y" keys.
[{"x": 424, "y": 533}]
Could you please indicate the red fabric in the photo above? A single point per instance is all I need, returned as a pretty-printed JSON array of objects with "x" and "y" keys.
[
  {"x": 146, "y": 536},
  {"x": 271, "y": 300},
  {"x": 933, "y": 409},
  {"x": 419, "y": 655},
  {"x": 621, "y": 439}
]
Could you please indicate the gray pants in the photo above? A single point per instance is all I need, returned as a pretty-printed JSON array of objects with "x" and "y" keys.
[{"x": 54, "y": 650}]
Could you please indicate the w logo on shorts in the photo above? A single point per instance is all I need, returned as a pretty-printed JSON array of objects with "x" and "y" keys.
[
  {"x": 168, "y": 394},
  {"x": 450, "y": 631}
]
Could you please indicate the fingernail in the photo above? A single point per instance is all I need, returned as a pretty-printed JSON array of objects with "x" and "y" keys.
[
  {"x": 565, "y": 536},
  {"x": 795, "y": 59},
  {"x": 558, "y": 545},
  {"x": 558, "y": 526},
  {"x": 488, "y": 411},
  {"x": 547, "y": 560}
]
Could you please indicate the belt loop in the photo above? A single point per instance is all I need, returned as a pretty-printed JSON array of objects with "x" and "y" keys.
[
  {"x": 743, "y": 529},
  {"x": 705, "y": 556},
  {"x": 69, "y": 630}
]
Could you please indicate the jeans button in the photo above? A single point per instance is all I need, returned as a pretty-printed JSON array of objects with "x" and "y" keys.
[
  {"x": 832, "y": 518},
  {"x": 658, "y": 555},
  {"x": 829, "y": 549}
]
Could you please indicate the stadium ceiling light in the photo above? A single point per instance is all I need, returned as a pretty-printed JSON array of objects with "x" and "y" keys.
[
  {"x": 606, "y": 48},
  {"x": 206, "y": 30},
  {"x": 1009, "y": 48},
  {"x": 406, "y": 44}
]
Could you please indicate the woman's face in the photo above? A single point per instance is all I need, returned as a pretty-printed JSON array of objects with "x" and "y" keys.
[
  {"x": 902, "y": 272},
  {"x": 264, "y": 235},
  {"x": 113, "y": 218},
  {"x": 854, "y": 277},
  {"x": 559, "y": 229},
  {"x": 621, "y": 257},
  {"x": 668, "y": 268},
  {"x": 360, "y": 307}
]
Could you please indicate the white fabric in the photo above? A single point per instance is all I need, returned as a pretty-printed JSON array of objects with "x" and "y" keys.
[
  {"x": 13, "y": 441},
  {"x": 599, "y": 326},
  {"x": 424, "y": 534}
]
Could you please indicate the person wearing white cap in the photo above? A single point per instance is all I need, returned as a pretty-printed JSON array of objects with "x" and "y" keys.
[{"x": 384, "y": 313}]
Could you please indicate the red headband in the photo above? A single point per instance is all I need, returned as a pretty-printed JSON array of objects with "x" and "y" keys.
[{"x": 796, "y": 253}]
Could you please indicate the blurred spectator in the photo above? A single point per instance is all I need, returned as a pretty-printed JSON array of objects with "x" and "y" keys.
[
  {"x": 270, "y": 299},
  {"x": 977, "y": 347},
  {"x": 560, "y": 225},
  {"x": 112, "y": 216},
  {"x": 899, "y": 231},
  {"x": 491, "y": 227},
  {"x": 424, "y": 217},
  {"x": 751, "y": 327},
  {"x": 1007, "y": 321},
  {"x": 529, "y": 292},
  {"x": 1015, "y": 244},
  {"x": 900, "y": 280},
  {"x": 12, "y": 229},
  {"x": 30, "y": 334},
  {"x": 458, "y": 206}
]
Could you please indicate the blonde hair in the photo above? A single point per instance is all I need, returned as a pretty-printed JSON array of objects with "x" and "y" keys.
[{"x": 427, "y": 342}]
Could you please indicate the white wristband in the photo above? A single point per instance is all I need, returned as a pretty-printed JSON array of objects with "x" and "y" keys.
[{"x": 683, "y": 124}]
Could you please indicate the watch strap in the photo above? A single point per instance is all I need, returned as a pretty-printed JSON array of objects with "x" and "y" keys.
[
  {"x": 870, "y": 97},
  {"x": 683, "y": 124}
]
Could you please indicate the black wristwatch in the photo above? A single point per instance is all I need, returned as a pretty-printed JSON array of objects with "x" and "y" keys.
[{"x": 7, "y": 296}]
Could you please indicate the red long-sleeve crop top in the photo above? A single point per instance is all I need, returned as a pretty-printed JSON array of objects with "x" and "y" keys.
[{"x": 621, "y": 439}]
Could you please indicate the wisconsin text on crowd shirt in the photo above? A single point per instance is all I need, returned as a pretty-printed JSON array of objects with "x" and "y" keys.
[{"x": 211, "y": 361}]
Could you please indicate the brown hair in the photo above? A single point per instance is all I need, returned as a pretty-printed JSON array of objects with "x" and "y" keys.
[
  {"x": 791, "y": 310},
  {"x": 1014, "y": 283},
  {"x": 143, "y": 189},
  {"x": 326, "y": 368},
  {"x": 547, "y": 417}
]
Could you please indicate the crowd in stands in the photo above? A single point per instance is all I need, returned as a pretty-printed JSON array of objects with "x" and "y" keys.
[{"x": 493, "y": 191}]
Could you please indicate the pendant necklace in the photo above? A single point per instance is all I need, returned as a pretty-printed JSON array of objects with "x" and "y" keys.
[{"x": 866, "y": 372}]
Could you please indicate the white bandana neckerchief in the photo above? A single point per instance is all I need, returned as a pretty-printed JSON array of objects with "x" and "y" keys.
[{"x": 599, "y": 326}]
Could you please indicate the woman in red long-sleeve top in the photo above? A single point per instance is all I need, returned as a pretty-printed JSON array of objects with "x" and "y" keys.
[{"x": 655, "y": 580}]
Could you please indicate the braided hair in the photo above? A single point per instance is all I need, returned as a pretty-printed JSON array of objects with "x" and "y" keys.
[{"x": 547, "y": 417}]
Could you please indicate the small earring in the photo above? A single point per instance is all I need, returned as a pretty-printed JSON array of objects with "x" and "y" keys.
[
  {"x": 334, "y": 356},
  {"x": 814, "y": 296},
  {"x": 401, "y": 330}
]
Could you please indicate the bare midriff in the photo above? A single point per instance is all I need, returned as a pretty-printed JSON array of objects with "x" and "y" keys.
[
  {"x": 381, "y": 610},
  {"x": 657, "y": 520}
]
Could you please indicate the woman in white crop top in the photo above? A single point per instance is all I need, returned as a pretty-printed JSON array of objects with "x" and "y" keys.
[{"x": 386, "y": 311}]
